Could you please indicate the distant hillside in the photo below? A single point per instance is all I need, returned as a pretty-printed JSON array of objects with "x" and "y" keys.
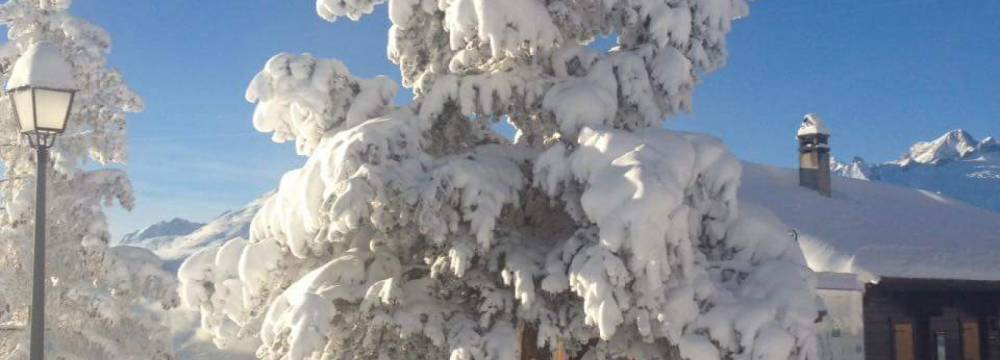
[
  {"x": 955, "y": 165},
  {"x": 175, "y": 239},
  {"x": 231, "y": 224},
  {"x": 156, "y": 235}
]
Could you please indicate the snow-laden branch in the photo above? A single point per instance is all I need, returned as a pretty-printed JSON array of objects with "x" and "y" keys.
[{"x": 302, "y": 98}]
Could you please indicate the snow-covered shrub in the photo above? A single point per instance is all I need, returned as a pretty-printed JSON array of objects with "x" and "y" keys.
[
  {"x": 420, "y": 233},
  {"x": 97, "y": 296}
]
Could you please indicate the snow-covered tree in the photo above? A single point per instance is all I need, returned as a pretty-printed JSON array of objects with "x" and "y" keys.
[
  {"x": 97, "y": 295},
  {"x": 420, "y": 232}
]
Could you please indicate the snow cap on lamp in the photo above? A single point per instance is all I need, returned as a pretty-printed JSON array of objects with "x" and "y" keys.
[
  {"x": 42, "y": 66},
  {"x": 41, "y": 90}
]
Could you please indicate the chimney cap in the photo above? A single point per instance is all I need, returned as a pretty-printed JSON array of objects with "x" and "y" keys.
[{"x": 812, "y": 125}]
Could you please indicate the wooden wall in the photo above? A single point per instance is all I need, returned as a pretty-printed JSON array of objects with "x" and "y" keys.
[{"x": 925, "y": 308}]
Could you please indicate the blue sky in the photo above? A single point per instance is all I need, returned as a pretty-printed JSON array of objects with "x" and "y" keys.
[{"x": 883, "y": 73}]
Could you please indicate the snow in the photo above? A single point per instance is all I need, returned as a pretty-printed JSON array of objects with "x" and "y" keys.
[
  {"x": 300, "y": 318},
  {"x": 229, "y": 225},
  {"x": 813, "y": 124},
  {"x": 294, "y": 94},
  {"x": 220, "y": 243},
  {"x": 582, "y": 102},
  {"x": 631, "y": 181},
  {"x": 856, "y": 236},
  {"x": 954, "y": 165},
  {"x": 874, "y": 229},
  {"x": 841, "y": 333},
  {"x": 353, "y": 9},
  {"x": 989, "y": 144},
  {"x": 623, "y": 155},
  {"x": 42, "y": 65},
  {"x": 974, "y": 180},
  {"x": 857, "y": 169},
  {"x": 633, "y": 177},
  {"x": 955, "y": 144},
  {"x": 510, "y": 28},
  {"x": 103, "y": 298},
  {"x": 141, "y": 266},
  {"x": 105, "y": 302},
  {"x": 216, "y": 244},
  {"x": 838, "y": 281},
  {"x": 154, "y": 236},
  {"x": 420, "y": 230}
]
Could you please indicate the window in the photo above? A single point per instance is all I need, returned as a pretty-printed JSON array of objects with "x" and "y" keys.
[{"x": 941, "y": 344}]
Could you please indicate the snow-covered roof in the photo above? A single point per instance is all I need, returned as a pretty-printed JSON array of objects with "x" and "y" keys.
[
  {"x": 42, "y": 65},
  {"x": 826, "y": 280},
  {"x": 872, "y": 228},
  {"x": 812, "y": 124}
]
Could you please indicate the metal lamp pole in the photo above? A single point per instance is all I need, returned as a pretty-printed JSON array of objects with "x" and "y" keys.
[
  {"x": 41, "y": 88},
  {"x": 38, "y": 281}
]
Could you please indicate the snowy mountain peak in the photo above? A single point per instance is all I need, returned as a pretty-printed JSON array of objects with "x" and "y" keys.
[
  {"x": 857, "y": 169},
  {"x": 954, "y": 165},
  {"x": 953, "y": 145},
  {"x": 171, "y": 228},
  {"x": 989, "y": 144},
  {"x": 231, "y": 224}
]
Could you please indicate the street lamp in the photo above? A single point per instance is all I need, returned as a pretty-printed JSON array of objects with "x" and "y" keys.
[{"x": 41, "y": 88}]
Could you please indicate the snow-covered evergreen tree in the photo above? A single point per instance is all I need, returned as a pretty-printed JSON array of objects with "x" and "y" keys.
[
  {"x": 421, "y": 233},
  {"x": 96, "y": 295}
]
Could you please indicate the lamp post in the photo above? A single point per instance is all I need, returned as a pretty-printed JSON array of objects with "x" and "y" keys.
[{"x": 41, "y": 88}]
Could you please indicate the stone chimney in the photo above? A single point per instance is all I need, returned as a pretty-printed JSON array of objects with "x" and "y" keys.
[{"x": 814, "y": 154}]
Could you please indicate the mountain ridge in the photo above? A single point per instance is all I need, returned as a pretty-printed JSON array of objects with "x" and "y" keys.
[
  {"x": 160, "y": 232},
  {"x": 954, "y": 164},
  {"x": 955, "y": 144}
]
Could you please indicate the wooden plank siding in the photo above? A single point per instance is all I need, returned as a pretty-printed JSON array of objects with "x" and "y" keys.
[
  {"x": 991, "y": 338},
  {"x": 965, "y": 313},
  {"x": 962, "y": 312},
  {"x": 971, "y": 349}
]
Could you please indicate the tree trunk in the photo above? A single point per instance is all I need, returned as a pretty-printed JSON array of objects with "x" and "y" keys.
[
  {"x": 560, "y": 352},
  {"x": 528, "y": 343},
  {"x": 528, "y": 335},
  {"x": 529, "y": 349}
]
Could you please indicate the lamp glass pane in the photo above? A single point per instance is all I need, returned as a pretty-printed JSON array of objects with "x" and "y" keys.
[
  {"x": 52, "y": 106},
  {"x": 24, "y": 107}
]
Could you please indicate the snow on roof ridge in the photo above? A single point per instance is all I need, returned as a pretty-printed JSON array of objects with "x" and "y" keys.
[
  {"x": 813, "y": 124},
  {"x": 829, "y": 280}
]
